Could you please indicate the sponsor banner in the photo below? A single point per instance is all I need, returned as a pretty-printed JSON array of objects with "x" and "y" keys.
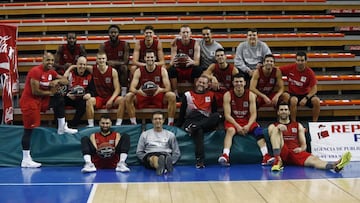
[
  {"x": 329, "y": 140},
  {"x": 8, "y": 69}
]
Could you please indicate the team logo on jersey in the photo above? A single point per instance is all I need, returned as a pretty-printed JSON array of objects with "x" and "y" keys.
[
  {"x": 207, "y": 99},
  {"x": 303, "y": 79},
  {"x": 245, "y": 104},
  {"x": 157, "y": 78},
  {"x": 112, "y": 142},
  {"x": 120, "y": 53},
  {"x": 294, "y": 130},
  {"x": 85, "y": 82},
  {"x": 107, "y": 80},
  {"x": 49, "y": 77},
  {"x": 272, "y": 81},
  {"x": 191, "y": 52},
  {"x": 228, "y": 78}
]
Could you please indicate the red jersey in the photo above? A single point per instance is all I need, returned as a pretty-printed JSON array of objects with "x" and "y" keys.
[
  {"x": 200, "y": 102},
  {"x": 154, "y": 76},
  {"x": 115, "y": 52},
  {"x": 224, "y": 76},
  {"x": 291, "y": 136},
  {"x": 44, "y": 77},
  {"x": 240, "y": 106},
  {"x": 266, "y": 84},
  {"x": 69, "y": 55},
  {"x": 144, "y": 48},
  {"x": 110, "y": 162},
  {"x": 299, "y": 83},
  {"x": 75, "y": 79},
  {"x": 186, "y": 49},
  {"x": 104, "y": 83}
]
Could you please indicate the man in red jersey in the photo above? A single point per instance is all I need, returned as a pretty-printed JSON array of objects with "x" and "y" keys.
[
  {"x": 190, "y": 70},
  {"x": 141, "y": 47},
  {"x": 67, "y": 54},
  {"x": 267, "y": 83},
  {"x": 198, "y": 114},
  {"x": 289, "y": 144},
  {"x": 302, "y": 87},
  {"x": 117, "y": 52},
  {"x": 40, "y": 87},
  {"x": 105, "y": 149},
  {"x": 240, "y": 119},
  {"x": 163, "y": 94},
  {"x": 107, "y": 89},
  {"x": 78, "y": 77},
  {"x": 221, "y": 74}
]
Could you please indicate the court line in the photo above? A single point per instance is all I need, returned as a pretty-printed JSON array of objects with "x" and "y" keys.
[{"x": 92, "y": 193}]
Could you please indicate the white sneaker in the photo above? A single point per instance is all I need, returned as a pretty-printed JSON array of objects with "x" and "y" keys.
[
  {"x": 88, "y": 168},
  {"x": 28, "y": 163},
  {"x": 122, "y": 167},
  {"x": 66, "y": 129}
]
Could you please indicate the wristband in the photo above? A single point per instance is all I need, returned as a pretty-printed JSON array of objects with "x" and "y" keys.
[{"x": 307, "y": 97}]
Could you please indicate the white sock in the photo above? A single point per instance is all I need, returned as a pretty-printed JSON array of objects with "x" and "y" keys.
[
  {"x": 133, "y": 120},
  {"x": 91, "y": 122},
  {"x": 61, "y": 123},
  {"x": 87, "y": 158},
  {"x": 170, "y": 120},
  {"x": 118, "y": 121},
  {"x": 176, "y": 93},
  {"x": 263, "y": 150},
  {"x": 123, "y": 157},
  {"x": 123, "y": 91},
  {"x": 226, "y": 151},
  {"x": 26, "y": 155}
]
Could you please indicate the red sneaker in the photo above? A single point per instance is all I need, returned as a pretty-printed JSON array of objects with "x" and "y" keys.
[
  {"x": 224, "y": 160},
  {"x": 267, "y": 160}
]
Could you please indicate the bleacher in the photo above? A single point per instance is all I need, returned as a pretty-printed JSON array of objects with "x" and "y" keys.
[{"x": 327, "y": 30}]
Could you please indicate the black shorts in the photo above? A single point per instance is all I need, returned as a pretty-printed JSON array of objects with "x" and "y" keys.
[{"x": 300, "y": 97}]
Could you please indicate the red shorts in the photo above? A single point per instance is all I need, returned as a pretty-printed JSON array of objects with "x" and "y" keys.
[
  {"x": 110, "y": 162},
  {"x": 241, "y": 122},
  {"x": 291, "y": 158},
  {"x": 101, "y": 102},
  {"x": 184, "y": 74},
  {"x": 260, "y": 101},
  {"x": 156, "y": 101},
  {"x": 31, "y": 114}
]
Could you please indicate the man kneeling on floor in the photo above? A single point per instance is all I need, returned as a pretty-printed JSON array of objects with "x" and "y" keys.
[
  {"x": 158, "y": 148},
  {"x": 289, "y": 144},
  {"x": 105, "y": 149}
]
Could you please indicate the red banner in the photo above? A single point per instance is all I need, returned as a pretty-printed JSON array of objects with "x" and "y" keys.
[{"x": 8, "y": 69}]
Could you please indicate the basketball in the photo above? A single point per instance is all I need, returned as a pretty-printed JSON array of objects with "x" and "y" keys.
[
  {"x": 149, "y": 88},
  {"x": 78, "y": 91},
  {"x": 61, "y": 89},
  {"x": 181, "y": 59},
  {"x": 105, "y": 150}
]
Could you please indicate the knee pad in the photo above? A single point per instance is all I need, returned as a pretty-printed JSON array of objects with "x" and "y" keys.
[{"x": 258, "y": 133}]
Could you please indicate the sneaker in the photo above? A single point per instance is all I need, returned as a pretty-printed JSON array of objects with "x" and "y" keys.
[
  {"x": 267, "y": 160},
  {"x": 199, "y": 164},
  {"x": 345, "y": 159},
  {"x": 277, "y": 165},
  {"x": 29, "y": 163},
  {"x": 161, "y": 165},
  {"x": 224, "y": 160},
  {"x": 66, "y": 129},
  {"x": 168, "y": 164},
  {"x": 88, "y": 168},
  {"x": 122, "y": 167},
  {"x": 190, "y": 128}
]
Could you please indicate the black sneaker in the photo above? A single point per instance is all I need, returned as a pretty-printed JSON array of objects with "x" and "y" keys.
[
  {"x": 190, "y": 128},
  {"x": 168, "y": 164},
  {"x": 161, "y": 165},
  {"x": 199, "y": 164}
]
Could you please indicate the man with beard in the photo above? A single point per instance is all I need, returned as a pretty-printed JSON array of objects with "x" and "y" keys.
[
  {"x": 302, "y": 87},
  {"x": 208, "y": 46},
  {"x": 117, "y": 52},
  {"x": 78, "y": 76},
  {"x": 267, "y": 83},
  {"x": 141, "y": 47},
  {"x": 163, "y": 95},
  {"x": 198, "y": 114},
  {"x": 158, "y": 148},
  {"x": 240, "y": 119},
  {"x": 250, "y": 54},
  {"x": 221, "y": 75},
  {"x": 67, "y": 54},
  {"x": 105, "y": 149},
  {"x": 289, "y": 145},
  {"x": 41, "y": 84}
]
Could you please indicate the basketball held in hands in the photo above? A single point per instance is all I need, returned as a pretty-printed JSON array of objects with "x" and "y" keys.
[
  {"x": 149, "y": 88},
  {"x": 181, "y": 60}
]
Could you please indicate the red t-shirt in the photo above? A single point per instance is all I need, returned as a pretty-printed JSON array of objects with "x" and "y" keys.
[{"x": 299, "y": 83}]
